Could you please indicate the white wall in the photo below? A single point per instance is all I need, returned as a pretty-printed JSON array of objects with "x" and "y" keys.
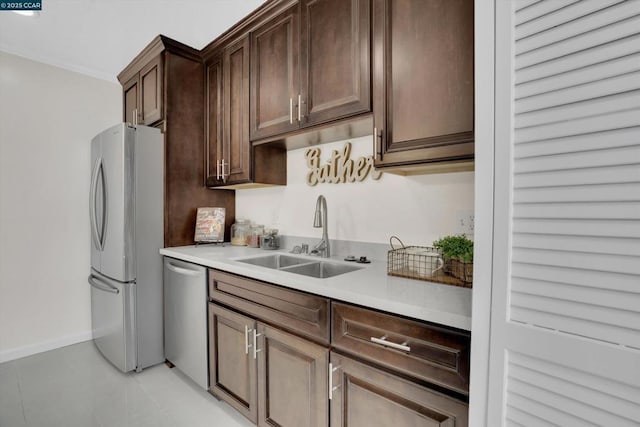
[
  {"x": 418, "y": 209},
  {"x": 47, "y": 119}
]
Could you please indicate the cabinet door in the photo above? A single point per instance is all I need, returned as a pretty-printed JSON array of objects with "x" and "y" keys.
[
  {"x": 214, "y": 119},
  {"x": 232, "y": 367},
  {"x": 422, "y": 80},
  {"x": 151, "y": 91},
  {"x": 334, "y": 59},
  {"x": 366, "y": 396},
  {"x": 275, "y": 75},
  {"x": 292, "y": 380},
  {"x": 130, "y": 97},
  {"x": 236, "y": 146}
]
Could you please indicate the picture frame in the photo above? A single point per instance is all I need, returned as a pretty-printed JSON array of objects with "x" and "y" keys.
[{"x": 210, "y": 225}]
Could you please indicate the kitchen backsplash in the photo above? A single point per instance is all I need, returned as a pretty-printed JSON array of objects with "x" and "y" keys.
[{"x": 418, "y": 209}]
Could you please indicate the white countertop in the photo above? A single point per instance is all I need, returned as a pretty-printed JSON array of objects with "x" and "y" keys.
[{"x": 369, "y": 287}]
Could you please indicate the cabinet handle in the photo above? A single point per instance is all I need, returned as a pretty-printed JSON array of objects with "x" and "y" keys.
[
  {"x": 291, "y": 110},
  {"x": 246, "y": 339},
  {"x": 224, "y": 175},
  {"x": 377, "y": 148},
  {"x": 255, "y": 344},
  {"x": 299, "y": 107},
  {"x": 331, "y": 387},
  {"x": 383, "y": 341},
  {"x": 218, "y": 170}
]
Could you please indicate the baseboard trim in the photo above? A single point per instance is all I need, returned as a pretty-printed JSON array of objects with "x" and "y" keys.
[{"x": 28, "y": 350}]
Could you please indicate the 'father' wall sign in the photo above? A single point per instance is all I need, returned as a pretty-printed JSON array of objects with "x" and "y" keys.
[{"x": 340, "y": 168}]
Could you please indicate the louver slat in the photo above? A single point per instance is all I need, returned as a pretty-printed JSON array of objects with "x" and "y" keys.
[
  {"x": 584, "y": 244},
  {"x": 625, "y": 172},
  {"x": 593, "y": 228}
]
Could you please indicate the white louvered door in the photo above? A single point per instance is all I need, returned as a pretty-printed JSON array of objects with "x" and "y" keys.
[{"x": 565, "y": 321}]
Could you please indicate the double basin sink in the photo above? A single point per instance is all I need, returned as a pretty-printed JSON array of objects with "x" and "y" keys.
[{"x": 299, "y": 265}]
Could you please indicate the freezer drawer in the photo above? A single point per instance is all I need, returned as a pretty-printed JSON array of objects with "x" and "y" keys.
[
  {"x": 185, "y": 318},
  {"x": 113, "y": 320}
]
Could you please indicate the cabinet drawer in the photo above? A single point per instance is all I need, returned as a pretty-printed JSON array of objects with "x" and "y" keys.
[
  {"x": 431, "y": 353},
  {"x": 365, "y": 396},
  {"x": 295, "y": 311}
]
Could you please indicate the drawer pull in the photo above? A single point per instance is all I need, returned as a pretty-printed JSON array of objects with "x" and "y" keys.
[{"x": 383, "y": 341}]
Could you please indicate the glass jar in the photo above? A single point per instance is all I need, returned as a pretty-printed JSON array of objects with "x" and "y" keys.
[
  {"x": 270, "y": 240},
  {"x": 255, "y": 234},
  {"x": 239, "y": 232}
]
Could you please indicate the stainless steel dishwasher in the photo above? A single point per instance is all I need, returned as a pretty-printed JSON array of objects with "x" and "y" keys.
[{"x": 185, "y": 318}]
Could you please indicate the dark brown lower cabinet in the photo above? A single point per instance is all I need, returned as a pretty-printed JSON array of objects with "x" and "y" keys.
[
  {"x": 270, "y": 376},
  {"x": 232, "y": 367},
  {"x": 364, "y": 396},
  {"x": 292, "y": 380},
  {"x": 279, "y": 378}
]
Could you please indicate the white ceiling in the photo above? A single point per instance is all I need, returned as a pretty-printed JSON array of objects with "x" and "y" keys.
[{"x": 100, "y": 37}]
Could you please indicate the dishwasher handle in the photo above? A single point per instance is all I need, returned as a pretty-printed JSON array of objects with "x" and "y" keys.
[
  {"x": 182, "y": 270},
  {"x": 103, "y": 286}
]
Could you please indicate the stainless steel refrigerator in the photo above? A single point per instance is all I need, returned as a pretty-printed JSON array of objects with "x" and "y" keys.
[{"x": 126, "y": 216}]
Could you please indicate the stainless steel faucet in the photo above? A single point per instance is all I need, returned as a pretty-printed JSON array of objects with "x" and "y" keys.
[{"x": 320, "y": 220}]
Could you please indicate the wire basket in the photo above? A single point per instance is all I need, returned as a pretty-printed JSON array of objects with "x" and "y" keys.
[
  {"x": 459, "y": 269},
  {"x": 422, "y": 263},
  {"x": 415, "y": 262}
]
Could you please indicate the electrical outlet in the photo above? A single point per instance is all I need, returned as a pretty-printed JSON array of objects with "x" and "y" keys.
[{"x": 465, "y": 223}]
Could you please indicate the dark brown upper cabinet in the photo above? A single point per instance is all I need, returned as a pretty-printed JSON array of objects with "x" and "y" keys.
[
  {"x": 227, "y": 94},
  {"x": 235, "y": 167},
  {"x": 232, "y": 161},
  {"x": 422, "y": 83},
  {"x": 310, "y": 64},
  {"x": 275, "y": 77},
  {"x": 143, "y": 94},
  {"x": 165, "y": 84},
  {"x": 213, "y": 120},
  {"x": 334, "y": 60}
]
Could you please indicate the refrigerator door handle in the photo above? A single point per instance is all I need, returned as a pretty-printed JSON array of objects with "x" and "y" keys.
[
  {"x": 98, "y": 232},
  {"x": 182, "y": 270},
  {"x": 103, "y": 226},
  {"x": 103, "y": 286},
  {"x": 92, "y": 204}
]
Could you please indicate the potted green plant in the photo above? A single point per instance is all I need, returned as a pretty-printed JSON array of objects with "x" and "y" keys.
[{"x": 457, "y": 252}]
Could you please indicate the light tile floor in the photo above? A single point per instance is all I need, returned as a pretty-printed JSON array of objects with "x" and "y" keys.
[{"x": 76, "y": 386}]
